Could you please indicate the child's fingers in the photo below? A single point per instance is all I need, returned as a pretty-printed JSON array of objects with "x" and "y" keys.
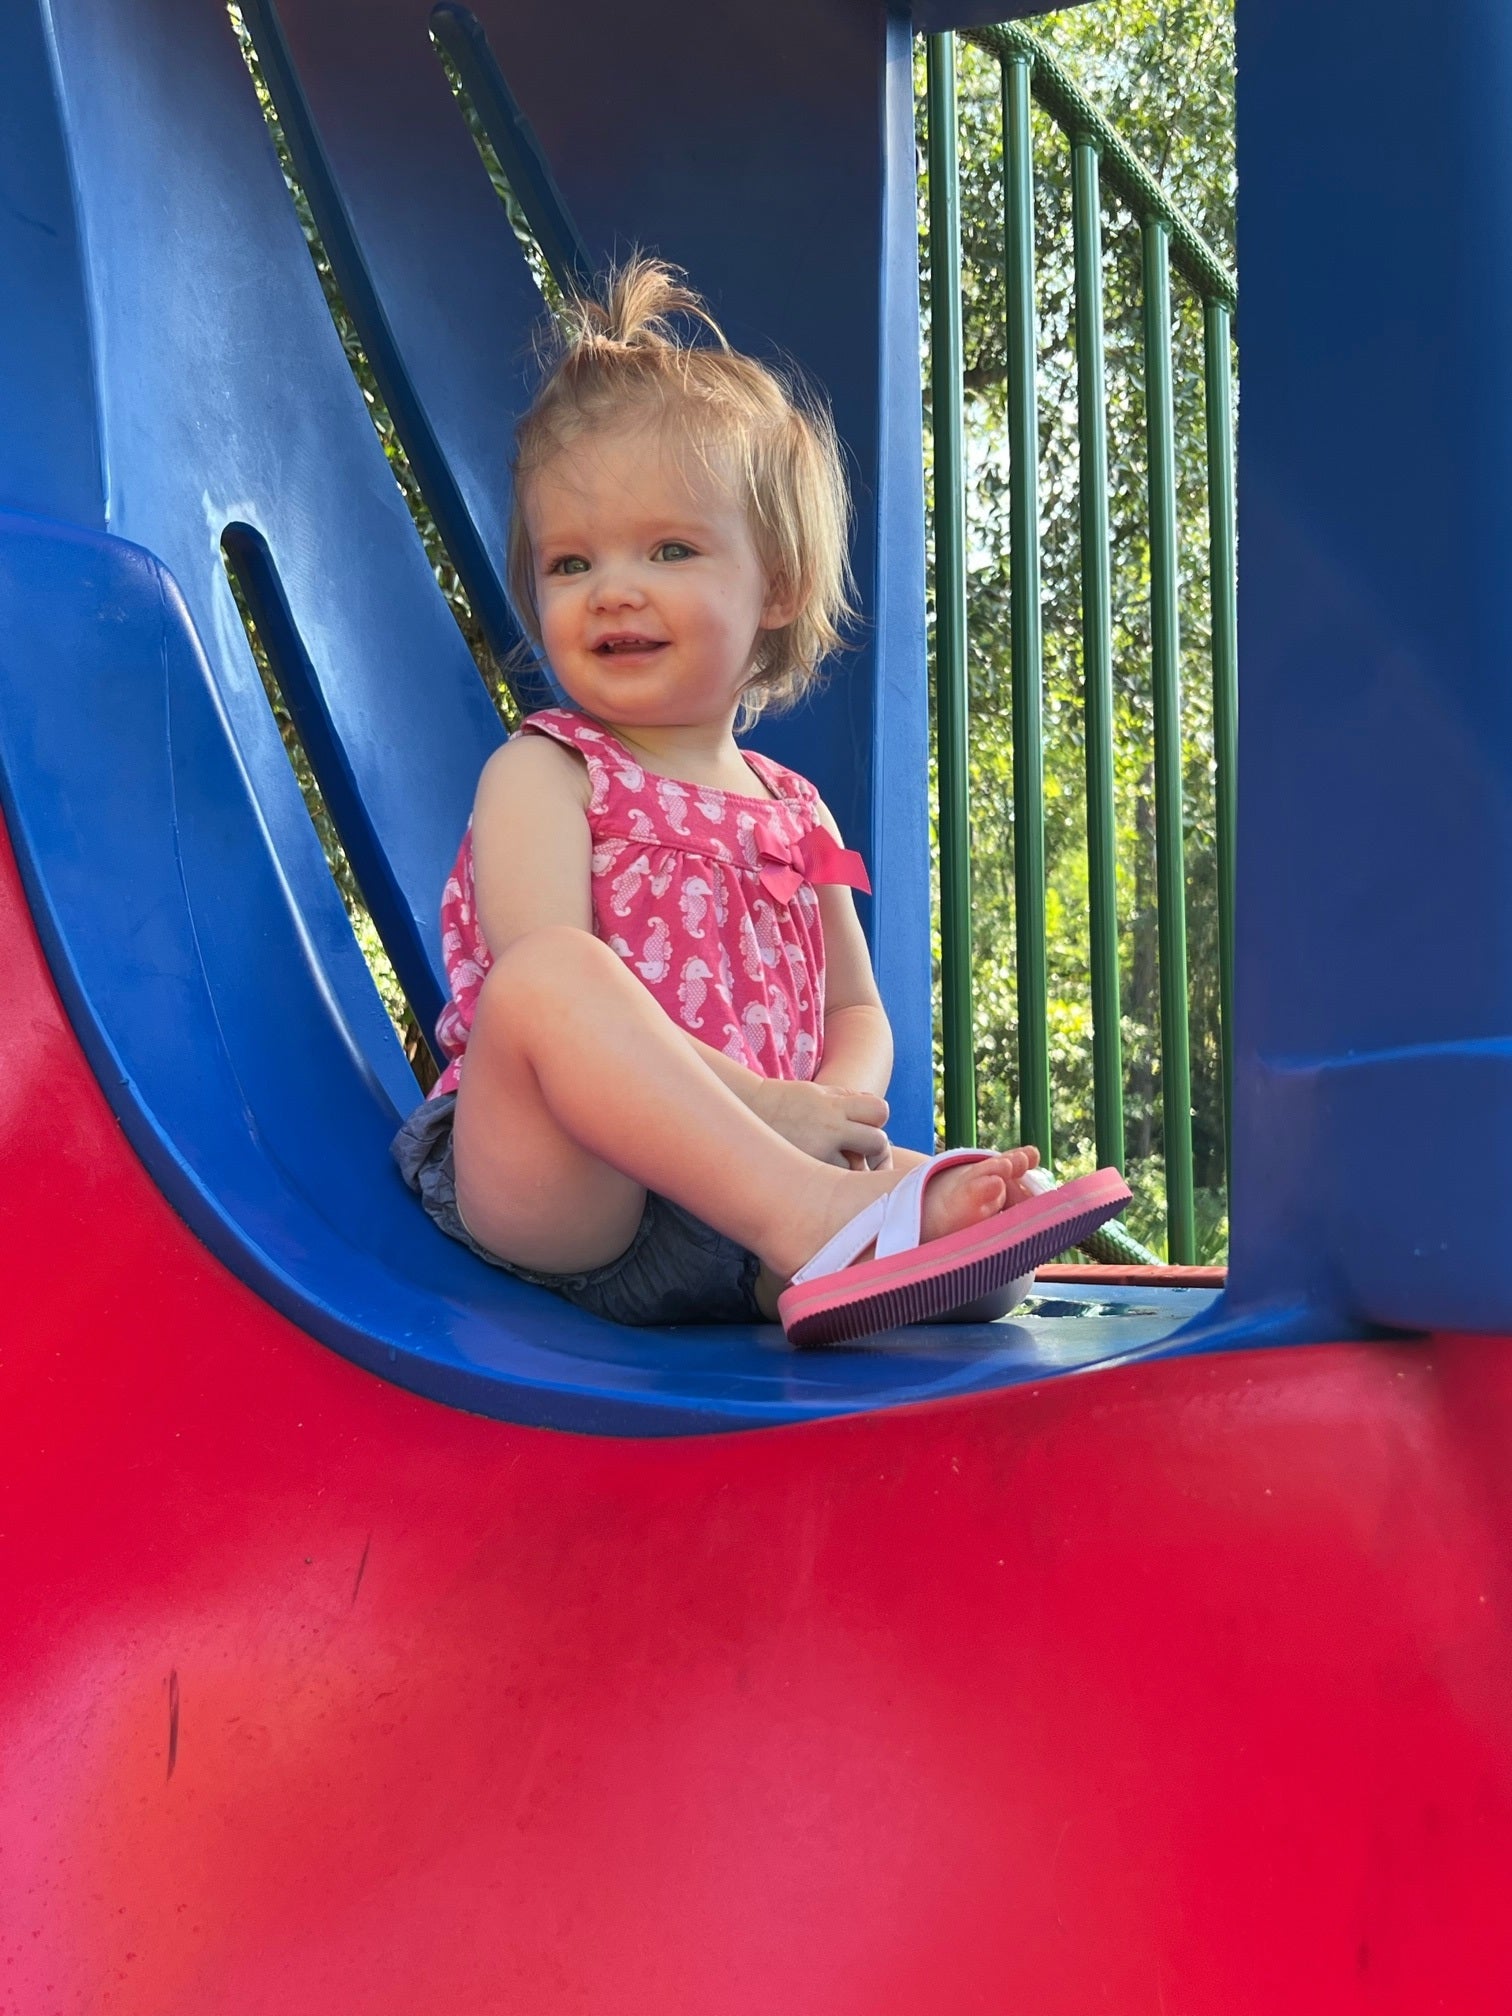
[
  {"x": 867, "y": 1107},
  {"x": 865, "y": 1142}
]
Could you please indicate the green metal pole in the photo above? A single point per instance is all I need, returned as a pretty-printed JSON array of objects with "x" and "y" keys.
[
  {"x": 1097, "y": 653},
  {"x": 945, "y": 373},
  {"x": 1028, "y": 671},
  {"x": 1218, "y": 367},
  {"x": 1170, "y": 870}
]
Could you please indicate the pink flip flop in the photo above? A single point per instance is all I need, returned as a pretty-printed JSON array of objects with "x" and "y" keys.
[{"x": 836, "y": 1298}]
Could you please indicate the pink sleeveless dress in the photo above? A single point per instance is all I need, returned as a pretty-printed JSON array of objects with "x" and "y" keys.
[{"x": 707, "y": 896}]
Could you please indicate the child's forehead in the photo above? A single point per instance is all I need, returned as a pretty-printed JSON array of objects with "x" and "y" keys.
[{"x": 654, "y": 468}]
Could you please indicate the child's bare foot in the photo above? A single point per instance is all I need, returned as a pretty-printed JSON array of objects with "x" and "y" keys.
[
  {"x": 975, "y": 1191},
  {"x": 955, "y": 1198}
]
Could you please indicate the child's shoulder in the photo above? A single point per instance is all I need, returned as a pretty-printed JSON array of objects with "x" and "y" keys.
[{"x": 540, "y": 761}]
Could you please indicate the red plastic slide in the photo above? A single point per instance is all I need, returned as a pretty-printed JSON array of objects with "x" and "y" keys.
[{"x": 1181, "y": 1688}]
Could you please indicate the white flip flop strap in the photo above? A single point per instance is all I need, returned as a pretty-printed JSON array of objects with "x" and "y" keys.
[
  {"x": 885, "y": 1217},
  {"x": 903, "y": 1211},
  {"x": 853, "y": 1237}
]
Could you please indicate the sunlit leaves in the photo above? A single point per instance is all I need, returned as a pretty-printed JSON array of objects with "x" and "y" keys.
[{"x": 1164, "y": 75}]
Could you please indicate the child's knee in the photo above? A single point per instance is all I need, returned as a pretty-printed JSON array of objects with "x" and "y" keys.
[{"x": 540, "y": 969}]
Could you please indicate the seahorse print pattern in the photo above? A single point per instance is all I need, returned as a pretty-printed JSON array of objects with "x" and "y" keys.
[{"x": 678, "y": 895}]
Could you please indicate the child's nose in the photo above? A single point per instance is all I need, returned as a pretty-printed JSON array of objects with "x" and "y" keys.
[{"x": 616, "y": 588}]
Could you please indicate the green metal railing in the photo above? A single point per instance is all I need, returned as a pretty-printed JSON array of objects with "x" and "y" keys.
[{"x": 1099, "y": 161}]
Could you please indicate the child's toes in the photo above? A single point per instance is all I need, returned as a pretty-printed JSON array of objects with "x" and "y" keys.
[
  {"x": 974, "y": 1193},
  {"x": 988, "y": 1194}
]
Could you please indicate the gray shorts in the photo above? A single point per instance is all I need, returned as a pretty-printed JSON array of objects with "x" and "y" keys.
[{"x": 675, "y": 1270}]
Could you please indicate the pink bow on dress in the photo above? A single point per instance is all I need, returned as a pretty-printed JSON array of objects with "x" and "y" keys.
[{"x": 816, "y": 858}]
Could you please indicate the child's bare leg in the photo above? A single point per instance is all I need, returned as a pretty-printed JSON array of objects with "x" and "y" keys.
[{"x": 580, "y": 1094}]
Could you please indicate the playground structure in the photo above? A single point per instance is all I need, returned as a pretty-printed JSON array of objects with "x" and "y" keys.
[{"x": 1178, "y": 1683}]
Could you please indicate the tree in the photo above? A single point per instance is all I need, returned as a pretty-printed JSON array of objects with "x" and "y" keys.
[{"x": 1164, "y": 74}]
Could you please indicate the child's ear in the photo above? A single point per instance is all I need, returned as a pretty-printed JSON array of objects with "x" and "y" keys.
[{"x": 784, "y": 604}]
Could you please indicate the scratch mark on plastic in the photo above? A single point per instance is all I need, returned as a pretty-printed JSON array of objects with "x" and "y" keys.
[
  {"x": 361, "y": 1566},
  {"x": 173, "y": 1720}
]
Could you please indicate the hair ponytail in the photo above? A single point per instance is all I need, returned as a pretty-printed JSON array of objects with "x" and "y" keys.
[{"x": 634, "y": 309}]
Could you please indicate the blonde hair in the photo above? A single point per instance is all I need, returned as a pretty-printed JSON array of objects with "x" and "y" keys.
[{"x": 620, "y": 355}]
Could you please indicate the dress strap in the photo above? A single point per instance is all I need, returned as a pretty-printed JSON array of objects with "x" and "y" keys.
[
  {"x": 607, "y": 761},
  {"x": 785, "y": 784},
  {"x": 564, "y": 725}
]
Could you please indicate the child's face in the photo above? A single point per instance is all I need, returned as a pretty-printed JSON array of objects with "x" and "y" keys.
[{"x": 652, "y": 598}]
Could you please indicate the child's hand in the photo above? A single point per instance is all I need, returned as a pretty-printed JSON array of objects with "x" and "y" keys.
[{"x": 826, "y": 1121}]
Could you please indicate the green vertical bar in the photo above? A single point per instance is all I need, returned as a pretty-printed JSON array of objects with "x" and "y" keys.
[
  {"x": 1097, "y": 653},
  {"x": 1170, "y": 870},
  {"x": 1218, "y": 371},
  {"x": 950, "y": 594},
  {"x": 1028, "y": 675}
]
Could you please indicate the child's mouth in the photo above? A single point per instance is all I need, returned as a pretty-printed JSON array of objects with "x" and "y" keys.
[{"x": 623, "y": 647}]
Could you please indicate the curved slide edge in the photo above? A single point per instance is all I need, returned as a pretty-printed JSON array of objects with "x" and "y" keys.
[{"x": 256, "y": 1075}]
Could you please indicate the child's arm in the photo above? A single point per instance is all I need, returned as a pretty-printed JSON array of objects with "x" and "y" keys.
[
  {"x": 532, "y": 852},
  {"x": 858, "y": 1045},
  {"x": 833, "y": 1123}
]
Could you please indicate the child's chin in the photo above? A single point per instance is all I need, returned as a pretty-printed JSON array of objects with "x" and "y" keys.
[{"x": 638, "y": 701}]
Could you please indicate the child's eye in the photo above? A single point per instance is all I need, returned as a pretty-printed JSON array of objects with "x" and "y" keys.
[
  {"x": 570, "y": 563},
  {"x": 673, "y": 549}
]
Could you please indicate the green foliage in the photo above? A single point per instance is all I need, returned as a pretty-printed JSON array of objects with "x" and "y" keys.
[{"x": 1163, "y": 74}]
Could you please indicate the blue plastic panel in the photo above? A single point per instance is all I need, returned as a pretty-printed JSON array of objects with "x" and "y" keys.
[
  {"x": 410, "y": 223},
  {"x": 224, "y": 396},
  {"x": 49, "y": 439},
  {"x": 931, "y": 16},
  {"x": 1373, "y": 1152}
]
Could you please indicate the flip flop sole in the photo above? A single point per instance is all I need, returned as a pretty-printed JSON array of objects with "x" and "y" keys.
[{"x": 933, "y": 1279}]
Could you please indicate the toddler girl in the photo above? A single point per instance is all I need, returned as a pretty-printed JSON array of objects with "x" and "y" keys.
[{"x": 667, "y": 1053}]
